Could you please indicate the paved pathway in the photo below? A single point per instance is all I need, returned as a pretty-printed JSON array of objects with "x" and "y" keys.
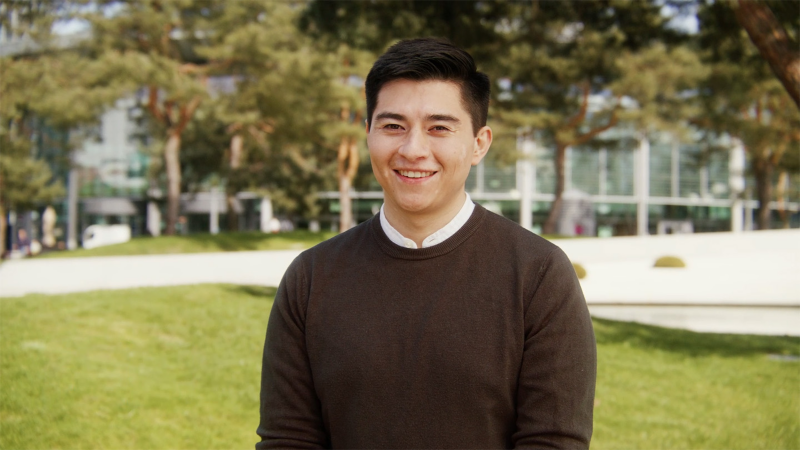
[
  {"x": 53, "y": 276},
  {"x": 748, "y": 283},
  {"x": 759, "y": 268}
]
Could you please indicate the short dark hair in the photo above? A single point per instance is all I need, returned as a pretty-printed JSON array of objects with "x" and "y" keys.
[{"x": 431, "y": 59}]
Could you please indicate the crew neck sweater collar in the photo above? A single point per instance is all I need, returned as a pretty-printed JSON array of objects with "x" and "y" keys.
[
  {"x": 390, "y": 248},
  {"x": 437, "y": 237}
]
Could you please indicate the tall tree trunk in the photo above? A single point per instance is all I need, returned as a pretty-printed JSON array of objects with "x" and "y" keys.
[
  {"x": 347, "y": 165},
  {"x": 3, "y": 228},
  {"x": 780, "y": 193},
  {"x": 555, "y": 208},
  {"x": 571, "y": 127},
  {"x": 172, "y": 163},
  {"x": 774, "y": 44},
  {"x": 763, "y": 173},
  {"x": 235, "y": 163},
  {"x": 233, "y": 215},
  {"x": 345, "y": 205},
  {"x": 173, "y": 168}
]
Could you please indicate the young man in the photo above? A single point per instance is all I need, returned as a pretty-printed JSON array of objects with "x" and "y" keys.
[{"x": 435, "y": 324}]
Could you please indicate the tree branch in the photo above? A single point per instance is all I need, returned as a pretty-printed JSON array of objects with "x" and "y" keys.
[
  {"x": 758, "y": 111},
  {"x": 259, "y": 137},
  {"x": 152, "y": 104},
  {"x": 168, "y": 112},
  {"x": 303, "y": 163},
  {"x": 233, "y": 128},
  {"x": 165, "y": 38},
  {"x": 189, "y": 68},
  {"x": 186, "y": 113},
  {"x": 774, "y": 44},
  {"x": 342, "y": 155},
  {"x": 586, "y": 137},
  {"x": 266, "y": 126},
  {"x": 575, "y": 121}
]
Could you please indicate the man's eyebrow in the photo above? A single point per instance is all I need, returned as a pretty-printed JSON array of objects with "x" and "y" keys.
[
  {"x": 430, "y": 117},
  {"x": 443, "y": 118},
  {"x": 390, "y": 115}
]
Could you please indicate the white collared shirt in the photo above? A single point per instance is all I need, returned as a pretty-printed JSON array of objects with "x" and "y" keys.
[{"x": 439, "y": 236}]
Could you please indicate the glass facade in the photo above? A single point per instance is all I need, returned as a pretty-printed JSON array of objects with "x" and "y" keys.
[
  {"x": 584, "y": 167},
  {"x": 687, "y": 185},
  {"x": 661, "y": 169},
  {"x": 689, "y": 169}
]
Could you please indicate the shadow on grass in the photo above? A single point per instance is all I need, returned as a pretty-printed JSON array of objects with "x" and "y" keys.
[
  {"x": 202, "y": 243},
  {"x": 265, "y": 292},
  {"x": 690, "y": 343},
  {"x": 229, "y": 242},
  {"x": 253, "y": 240}
]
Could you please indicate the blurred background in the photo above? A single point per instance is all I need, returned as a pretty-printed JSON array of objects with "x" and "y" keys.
[
  {"x": 611, "y": 118},
  {"x": 193, "y": 148}
]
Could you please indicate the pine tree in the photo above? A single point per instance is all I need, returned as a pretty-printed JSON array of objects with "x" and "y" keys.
[
  {"x": 778, "y": 47},
  {"x": 158, "y": 38},
  {"x": 559, "y": 56},
  {"x": 47, "y": 85},
  {"x": 743, "y": 98},
  {"x": 284, "y": 114}
]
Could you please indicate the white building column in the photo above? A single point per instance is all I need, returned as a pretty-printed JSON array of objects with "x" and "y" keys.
[
  {"x": 525, "y": 169},
  {"x": 72, "y": 209},
  {"x": 602, "y": 162},
  {"x": 641, "y": 167},
  {"x": 675, "y": 168},
  {"x": 736, "y": 181},
  {"x": 213, "y": 214},
  {"x": 153, "y": 219},
  {"x": 704, "y": 181},
  {"x": 568, "y": 168},
  {"x": 266, "y": 214}
]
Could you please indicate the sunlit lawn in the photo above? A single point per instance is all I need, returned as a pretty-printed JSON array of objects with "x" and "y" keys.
[
  {"x": 179, "y": 367},
  {"x": 202, "y": 243},
  {"x": 205, "y": 243}
]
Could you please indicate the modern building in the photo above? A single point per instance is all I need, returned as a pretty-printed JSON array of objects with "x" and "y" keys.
[
  {"x": 655, "y": 186},
  {"x": 651, "y": 186}
]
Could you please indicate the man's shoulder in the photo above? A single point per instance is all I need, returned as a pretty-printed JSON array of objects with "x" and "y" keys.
[
  {"x": 342, "y": 245},
  {"x": 506, "y": 233}
]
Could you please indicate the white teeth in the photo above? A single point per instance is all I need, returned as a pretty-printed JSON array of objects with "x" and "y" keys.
[{"x": 414, "y": 174}]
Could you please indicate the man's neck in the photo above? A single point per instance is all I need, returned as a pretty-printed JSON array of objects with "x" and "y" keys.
[{"x": 418, "y": 226}]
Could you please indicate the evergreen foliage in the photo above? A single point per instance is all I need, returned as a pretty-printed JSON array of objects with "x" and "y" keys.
[
  {"x": 742, "y": 98},
  {"x": 45, "y": 88},
  {"x": 268, "y": 96},
  {"x": 570, "y": 67}
]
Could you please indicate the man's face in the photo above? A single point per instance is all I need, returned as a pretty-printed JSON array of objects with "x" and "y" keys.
[{"x": 422, "y": 145}]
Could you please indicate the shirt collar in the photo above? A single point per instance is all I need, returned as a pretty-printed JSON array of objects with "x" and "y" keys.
[{"x": 439, "y": 236}]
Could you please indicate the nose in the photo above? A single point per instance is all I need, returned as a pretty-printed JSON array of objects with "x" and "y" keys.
[{"x": 415, "y": 146}]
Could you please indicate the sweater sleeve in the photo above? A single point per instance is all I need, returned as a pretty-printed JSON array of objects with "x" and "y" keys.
[
  {"x": 555, "y": 393},
  {"x": 290, "y": 410}
]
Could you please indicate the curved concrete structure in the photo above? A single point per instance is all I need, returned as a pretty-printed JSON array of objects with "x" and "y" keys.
[{"x": 738, "y": 283}]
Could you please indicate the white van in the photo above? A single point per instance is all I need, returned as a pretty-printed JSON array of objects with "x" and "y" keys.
[{"x": 100, "y": 235}]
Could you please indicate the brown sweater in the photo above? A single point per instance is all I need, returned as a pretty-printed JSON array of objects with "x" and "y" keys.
[{"x": 481, "y": 341}]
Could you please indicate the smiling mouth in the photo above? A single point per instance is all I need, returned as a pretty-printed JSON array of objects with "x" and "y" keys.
[{"x": 414, "y": 173}]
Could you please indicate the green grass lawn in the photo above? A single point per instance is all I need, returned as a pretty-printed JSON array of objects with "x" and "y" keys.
[
  {"x": 205, "y": 243},
  {"x": 202, "y": 243},
  {"x": 179, "y": 367}
]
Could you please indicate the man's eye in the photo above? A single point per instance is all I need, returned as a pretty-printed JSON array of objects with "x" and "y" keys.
[
  {"x": 440, "y": 128},
  {"x": 392, "y": 126}
]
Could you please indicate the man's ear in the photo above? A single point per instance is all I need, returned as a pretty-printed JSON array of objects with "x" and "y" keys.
[
  {"x": 483, "y": 140},
  {"x": 366, "y": 124}
]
